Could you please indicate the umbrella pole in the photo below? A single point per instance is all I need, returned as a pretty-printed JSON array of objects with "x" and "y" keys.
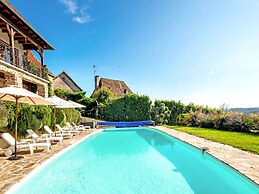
[
  {"x": 16, "y": 121},
  {"x": 15, "y": 157},
  {"x": 55, "y": 119}
]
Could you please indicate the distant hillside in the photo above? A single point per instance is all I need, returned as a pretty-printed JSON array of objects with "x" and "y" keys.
[{"x": 245, "y": 110}]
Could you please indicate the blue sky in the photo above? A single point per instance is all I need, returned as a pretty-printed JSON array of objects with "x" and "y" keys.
[{"x": 201, "y": 51}]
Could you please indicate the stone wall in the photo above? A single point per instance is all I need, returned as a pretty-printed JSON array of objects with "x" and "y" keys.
[
  {"x": 69, "y": 82},
  {"x": 15, "y": 76},
  {"x": 59, "y": 83}
]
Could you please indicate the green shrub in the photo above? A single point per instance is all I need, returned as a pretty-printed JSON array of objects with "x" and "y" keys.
[
  {"x": 183, "y": 119},
  {"x": 207, "y": 122},
  {"x": 104, "y": 96},
  {"x": 160, "y": 113},
  {"x": 229, "y": 121},
  {"x": 60, "y": 117},
  {"x": 75, "y": 116},
  {"x": 175, "y": 108},
  {"x": 252, "y": 121},
  {"x": 35, "y": 123},
  {"x": 67, "y": 115},
  {"x": 4, "y": 114},
  {"x": 45, "y": 114},
  {"x": 90, "y": 108}
]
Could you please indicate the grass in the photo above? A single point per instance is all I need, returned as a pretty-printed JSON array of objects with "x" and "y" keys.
[{"x": 244, "y": 141}]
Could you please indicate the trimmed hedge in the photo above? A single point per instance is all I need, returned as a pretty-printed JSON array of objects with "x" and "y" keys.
[{"x": 131, "y": 107}]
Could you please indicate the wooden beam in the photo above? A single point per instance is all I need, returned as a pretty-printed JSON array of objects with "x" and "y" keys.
[
  {"x": 13, "y": 18},
  {"x": 11, "y": 33},
  {"x": 27, "y": 46},
  {"x": 21, "y": 41}
]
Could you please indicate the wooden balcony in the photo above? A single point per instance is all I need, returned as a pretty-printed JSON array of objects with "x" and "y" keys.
[{"x": 20, "y": 60}]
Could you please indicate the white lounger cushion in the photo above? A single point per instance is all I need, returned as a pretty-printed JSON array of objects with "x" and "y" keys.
[{"x": 20, "y": 145}]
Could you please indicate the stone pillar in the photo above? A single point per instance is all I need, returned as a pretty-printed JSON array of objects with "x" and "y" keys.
[
  {"x": 18, "y": 80},
  {"x": 46, "y": 91},
  {"x": 42, "y": 90}
]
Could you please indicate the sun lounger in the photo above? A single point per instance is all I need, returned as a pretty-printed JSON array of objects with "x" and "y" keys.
[
  {"x": 75, "y": 132},
  {"x": 43, "y": 137},
  {"x": 63, "y": 134},
  {"x": 81, "y": 126},
  {"x": 22, "y": 145}
]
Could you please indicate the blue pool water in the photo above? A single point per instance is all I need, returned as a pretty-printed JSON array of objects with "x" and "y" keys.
[{"x": 137, "y": 160}]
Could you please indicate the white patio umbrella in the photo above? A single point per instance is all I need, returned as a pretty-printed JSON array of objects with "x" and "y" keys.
[
  {"x": 76, "y": 105},
  {"x": 59, "y": 103},
  {"x": 17, "y": 94}
]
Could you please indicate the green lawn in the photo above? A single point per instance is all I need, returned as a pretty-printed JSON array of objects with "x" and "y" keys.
[{"x": 244, "y": 141}]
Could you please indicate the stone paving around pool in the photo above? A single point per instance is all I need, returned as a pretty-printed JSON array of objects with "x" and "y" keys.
[
  {"x": 12, "y": 172},
  {"x": 244, "y": 162}
]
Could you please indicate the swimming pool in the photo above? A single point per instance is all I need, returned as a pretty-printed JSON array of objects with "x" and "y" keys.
[{"x": 136, "y": 160}]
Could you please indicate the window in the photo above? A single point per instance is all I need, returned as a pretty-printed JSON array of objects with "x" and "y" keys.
[
  {"x": 125, "y": 91},
  {"x": 1, "y": 75},
  {"x": 29, "y": 86}
]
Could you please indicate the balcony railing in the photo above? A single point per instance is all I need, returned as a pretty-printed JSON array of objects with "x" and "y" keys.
[{"x": 20, "y": 60}]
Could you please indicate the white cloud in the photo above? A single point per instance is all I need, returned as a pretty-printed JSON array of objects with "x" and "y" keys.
[
  {"x": 82, "y": 19},
  {"x": 71, "y": 6}
]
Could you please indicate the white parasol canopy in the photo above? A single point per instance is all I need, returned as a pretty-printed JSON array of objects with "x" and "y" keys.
[
  {"x": 76, "y": 105},
  {"x": 59, "y": 102},
  {"x": 13, "y": 92}
]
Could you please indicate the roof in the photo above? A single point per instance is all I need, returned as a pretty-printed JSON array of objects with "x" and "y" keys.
[
  {"x": 118, "y": 87},
  {"x": 50, "y": 73},
  {"x": 8, "y": 14},
  {"x": 64, "y": 73},
  {"x": 31, "y": 58}
]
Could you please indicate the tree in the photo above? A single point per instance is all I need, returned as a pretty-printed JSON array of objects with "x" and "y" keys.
[{"x": 103, "y": 96}]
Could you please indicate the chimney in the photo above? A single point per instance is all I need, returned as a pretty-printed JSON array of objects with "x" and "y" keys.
[{"x": 97, "y": 81}]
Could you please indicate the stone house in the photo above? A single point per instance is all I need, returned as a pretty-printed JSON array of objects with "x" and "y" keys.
[
  {"x": 64, "y": 81},
  {"x": 118, "y": 87},
  {"x": 18, "y": 66}
]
